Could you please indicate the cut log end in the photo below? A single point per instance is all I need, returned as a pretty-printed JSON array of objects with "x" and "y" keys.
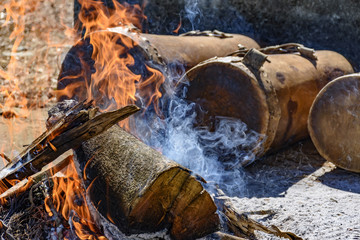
[
  {"x": 197, "y": 219},
  {"x": 140, "y": 190},
  {"x": 224, "y": 85},
  {"x": 334, "y": 123},
  {"x": 178, "y": 201}
]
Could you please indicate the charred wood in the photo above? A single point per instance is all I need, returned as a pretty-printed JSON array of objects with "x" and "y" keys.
[{"x": 76, "y": 126}]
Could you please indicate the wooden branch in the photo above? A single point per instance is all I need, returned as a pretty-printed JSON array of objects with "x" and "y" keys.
[
  {"x": 55, "y": 167},
  {"x": 243, "y": 226},
  {"x": 77, "y": 125}
]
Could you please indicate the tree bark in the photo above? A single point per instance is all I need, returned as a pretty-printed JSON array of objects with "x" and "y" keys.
[{"x": 140, "y": 190}]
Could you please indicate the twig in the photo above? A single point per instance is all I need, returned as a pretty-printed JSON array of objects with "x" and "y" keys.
[
  {"x": 241, "y": 224},
  {"x": 50, "y": 204},
  {"x": 5, "y": 157}
]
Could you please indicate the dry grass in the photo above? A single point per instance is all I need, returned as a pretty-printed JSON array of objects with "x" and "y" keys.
[{"x": 38, "y": 57}]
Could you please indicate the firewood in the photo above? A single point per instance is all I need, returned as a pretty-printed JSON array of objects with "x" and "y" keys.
[
  {"x": 243, "y": 226},
  {"x": 77, "y": 125},
  {"x": 48, "y": 170},
  {"x": 140, "y": 190},
  {"x": 334, "y": 123},
  {"x": 271, "y": 94}
]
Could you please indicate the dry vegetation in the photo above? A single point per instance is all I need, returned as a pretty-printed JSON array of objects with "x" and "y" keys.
[{"x": 38, "y": 58}]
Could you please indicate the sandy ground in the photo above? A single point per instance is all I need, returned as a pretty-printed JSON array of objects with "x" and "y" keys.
[
  {"x": 36, "y": 64},
  {"x": 305, "y": 194},
  {"x": 19, "y": 132}
]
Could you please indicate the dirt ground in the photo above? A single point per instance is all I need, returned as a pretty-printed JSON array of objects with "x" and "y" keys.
[
  {"x": 38, "y": 57},
  {"x": 34, "y": 69},
  {"x": 305, "y": 194}
]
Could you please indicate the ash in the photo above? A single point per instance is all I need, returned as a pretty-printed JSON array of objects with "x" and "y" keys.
[{"x": 25, "y": 217}]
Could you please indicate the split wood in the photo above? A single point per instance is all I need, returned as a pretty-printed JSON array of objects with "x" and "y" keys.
[{"x": 79, "y": 124}]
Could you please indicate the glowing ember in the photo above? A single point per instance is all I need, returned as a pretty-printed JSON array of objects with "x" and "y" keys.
[{"x": 68, "y": 198}]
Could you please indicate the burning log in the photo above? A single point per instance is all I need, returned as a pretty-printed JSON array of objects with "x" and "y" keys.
[
  {"x": 76, "y": 126},
  {"x": 144, "y": 50},
  {"x": 334, "y": 122},
  {"x": 140, "y": 190},
  {"x": 50, "y": 169},
  {"x": 272, "y": 94},
  {"x": 134, "y": 186}
]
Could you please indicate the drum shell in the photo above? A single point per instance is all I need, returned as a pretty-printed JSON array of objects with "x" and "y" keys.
[
  {"x": 191, "y": 50},
  {"x": 160, "y": 50},
  {"x": 273, "y": 100},
  {"x": 334, "y": 123}
]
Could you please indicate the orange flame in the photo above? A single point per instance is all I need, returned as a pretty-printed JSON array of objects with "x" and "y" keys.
[
  {"x": 113, "y": 80},
  {"x": 30, "y": 58},
  {"x": 114, "y": 84},
  {"x": 68, "y": 198},
  {"x": 176, "y": 31}
]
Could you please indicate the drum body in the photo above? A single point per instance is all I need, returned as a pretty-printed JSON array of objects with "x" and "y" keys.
[
  {"x": 334, "y": 122},
  {"x": 273, "y": 100},
  {"x": 156, "y": 51}
]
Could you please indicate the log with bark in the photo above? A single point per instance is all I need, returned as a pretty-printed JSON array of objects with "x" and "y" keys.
[
  {"x": 140, "y": 190},
  {"x": 334, "y": 123},
  {"x": 271, "y": 93},
  {"x": 129, "y": 183}
]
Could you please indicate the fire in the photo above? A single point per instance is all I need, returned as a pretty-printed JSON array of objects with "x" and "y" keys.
[
  {"x": 176, "y": 31},
  {"x": 68, "y": 199},
  {"x": 30, "y": 49},
  {"x": 114, "y": 84}
]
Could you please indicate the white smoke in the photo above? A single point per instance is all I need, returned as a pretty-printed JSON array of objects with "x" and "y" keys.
[
  {"x": 217, "y": 155},
  {"x": 192, "y": 12}
]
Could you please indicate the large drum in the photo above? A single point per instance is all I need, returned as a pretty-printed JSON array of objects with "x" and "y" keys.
[
  {"x": 273, "y": 98},
  {"x": 334, "y": 122},
  {"x": 145, "y": 50}
]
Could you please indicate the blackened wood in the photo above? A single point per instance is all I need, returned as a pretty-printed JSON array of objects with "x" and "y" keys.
[{"x": 77, "y": 125}]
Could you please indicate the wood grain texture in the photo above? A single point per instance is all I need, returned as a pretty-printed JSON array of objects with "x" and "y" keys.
[{"x": 140, "y": 190}]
